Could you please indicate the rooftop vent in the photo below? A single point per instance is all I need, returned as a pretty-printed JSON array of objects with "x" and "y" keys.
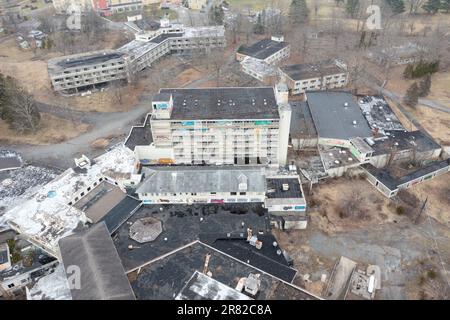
[
  {"x": 285, "y": 187},
  {"x": 336, "y": 161},
  {"x": 345, "y": 104},
  {"x": 354, "y": 122}
]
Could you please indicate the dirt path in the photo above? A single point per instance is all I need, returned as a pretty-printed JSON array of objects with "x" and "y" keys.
[{"x": 104, "y": 125}]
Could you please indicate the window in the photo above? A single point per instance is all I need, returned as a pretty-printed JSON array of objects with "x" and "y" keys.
[
  {"x": 11, "y": 285},
  {"x": 242, "y": 193},
  {"x": 233, "y": 193}
]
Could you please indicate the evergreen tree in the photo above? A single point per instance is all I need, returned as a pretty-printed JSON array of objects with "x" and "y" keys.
[
  {"x": 298, "y": 12},
  {"x": 397, "y": 6},
  {"x": 352, "y": 7},
  {"x": 216, "y": 15},
  {"x": 432, "y": 6},
  {"x": 259, "y": 26},
  {"x": 411, "y": 98},
  {"x": 445, "y": 5},
  {"x": 425, "y": 86}
]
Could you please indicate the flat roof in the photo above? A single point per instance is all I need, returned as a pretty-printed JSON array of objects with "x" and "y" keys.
[
  {"x": 333, "y": 119},
  {"x": 97, "y": 203},
  {"x": 166, "y": 277},
  {"x": 275, "y": 188},
  {"x": 3, "y": 253},
  {"x": 140, "y": 135},
  {"x": 302, "y": 124},
  {"x": 185, "y": 179},
  {"x": 82, "y": 59},
  {"x": 9, "y": 160},
  {"x": 223, "y": 103},
  {"x": 379, "y": 114},
  {"x": 262, "y": 49},
  {"x": 120, "y": 213},
  {"x": 391, "y": 182},
  {"x": 182, "y": 224},
  {"x": 202, "y": 287},
  {"x": 396, "y": 140},
  {"x": 311, "y": 70},
  {"x": 266, "y": 259},
  {"x": 165, "y": 36},
  {"x": 46, "y": 215},
  {"x": 102, "y": 274}
]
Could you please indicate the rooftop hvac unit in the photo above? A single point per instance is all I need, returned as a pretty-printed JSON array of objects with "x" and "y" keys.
[
  {"x": 285, "y": 187},
  {"x": 354, "y": 122},
  {"x": 345, "y": 104}
]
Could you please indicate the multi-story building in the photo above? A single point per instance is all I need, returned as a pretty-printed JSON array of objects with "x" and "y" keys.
[
  {"x": 219, "y": 126},
  {"x": 270, "y": 51},
  {"x": 318, "y": 76},
  {"x": 72, "y": 73},
  {"x": 86, "y": 70}
]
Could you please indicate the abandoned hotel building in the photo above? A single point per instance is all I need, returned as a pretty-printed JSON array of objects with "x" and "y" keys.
[{"x": 78, "y": 72}]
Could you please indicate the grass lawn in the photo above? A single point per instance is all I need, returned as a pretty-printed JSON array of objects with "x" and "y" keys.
[{"x": 157, "y": 12}]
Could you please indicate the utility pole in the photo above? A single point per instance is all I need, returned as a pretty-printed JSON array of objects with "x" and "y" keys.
[{"x": 421, "y": 210}]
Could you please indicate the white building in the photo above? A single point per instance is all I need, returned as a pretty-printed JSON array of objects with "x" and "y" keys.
[
  {"x": 202, "y": 184},
  {"x": 218, "y": 126},
  {"x": 270, "y": 51},
  {"x": 87, "y": 70},
  {"x": 309, "y": 77}
]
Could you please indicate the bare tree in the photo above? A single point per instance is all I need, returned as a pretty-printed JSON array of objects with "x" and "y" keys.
[{"x": 25, "y": 116}]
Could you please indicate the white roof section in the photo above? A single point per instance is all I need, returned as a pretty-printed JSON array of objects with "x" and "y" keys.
[
  {"x": 260, "y": 67},
  {"x": 202, "y": 287},
  {"x": 210, "y": 31},
  {"x": 47, "y": 216},
  {"x": 51, "y": 287}
]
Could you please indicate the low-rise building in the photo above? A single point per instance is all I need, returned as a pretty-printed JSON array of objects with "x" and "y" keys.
[
  {"x": 397, "y": 55},
  {"x": 260, "y": 70},
  {"x": 270, "y": 51},
  {"x": 70, "y": 74},
  {"x": 318, "y": 76},
  {"x": 180, "y": 184}
]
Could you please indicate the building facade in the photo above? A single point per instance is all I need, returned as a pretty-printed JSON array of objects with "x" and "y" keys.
[
  {"x": 70, "y": 74},
  {"x": 270, "y": 51},
  {"x": 219, "y": 126},
  {"x": 311, "y": 77}
]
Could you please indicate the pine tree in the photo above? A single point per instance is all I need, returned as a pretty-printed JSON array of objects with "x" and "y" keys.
[
  {"x": 352, "y": 7},
  {"x": 425, "y": 86},
  {"x": 432, "y": 6},
  {"x": 411, "y": 98},
  {"x": 397, "y": 6},
  {"x": 445, "y": 5},
  {"x": 216, "y": 15},
  {"x": 259, "y": 26},
  {"x": 298, "y": 12}
]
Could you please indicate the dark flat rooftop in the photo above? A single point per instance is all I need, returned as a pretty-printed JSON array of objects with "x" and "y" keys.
[
  {"x": 166, "y": 36},
  {"x": 276, "y": 184},
  {"x": 3, "y": 255},
  {"x": 311, "y": 70},
  {"x": 120, "y": 213},
  {"x": 166, "y": 278},
  {"x": 140, "y": 135},
  {"x": 265, "y": 259},
  {"x": 10, "y": 163},
  {"x": 223, "y": 103},
  {"x": 302, "y": 124},
  {"x": 335, "y": 121},
  {"x": 88, "y": 59},
  {"x": 391, "y": 182},
  {"x": 182, "y": 225},
  {"x": 404, "y": 140},
  {"x": 262, "y": 49}
]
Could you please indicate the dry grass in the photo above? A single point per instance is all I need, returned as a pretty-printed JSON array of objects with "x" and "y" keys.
[
  {"x": 52, "y": 130},
  {"x": 330, "y": 196}
]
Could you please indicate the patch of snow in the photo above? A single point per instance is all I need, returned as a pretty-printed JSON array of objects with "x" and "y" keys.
[
  {"x": 46, "y": 220},
  {"x": 51, "y": 287}
]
